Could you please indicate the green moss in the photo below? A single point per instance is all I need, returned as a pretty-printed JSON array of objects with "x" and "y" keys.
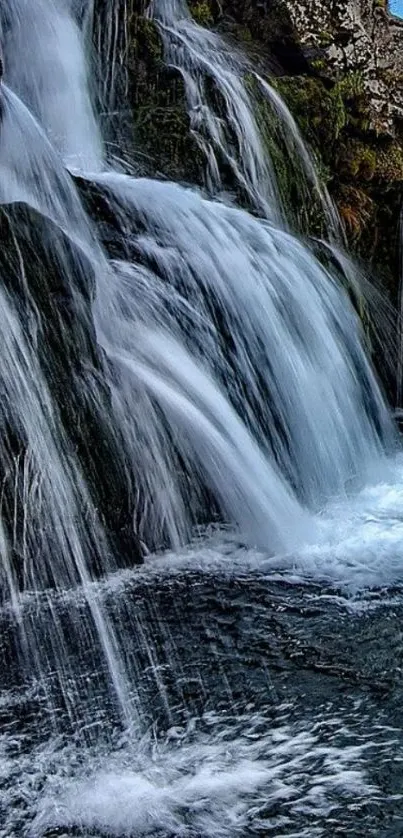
[
  {"x": 156, "y": 93},
  {"x": 202, "y": 13},
  {"x": 357, "y": 160},
  {"x": 390, "y": 163},
  {"x": 319, "y": 64},
  {"x": 244, "y": 34},
  {"x": 313, "y": 107},
  {"x": 322, "y": 113},
  {"x": 145, "y": 40},
  {"x": 351, "y": 85},
  {"x": 350, "y": 103},
  {"x": 363, "y": 171},
  {"x": 302, "y": 206},
  {"x": 325, "y": 38}
]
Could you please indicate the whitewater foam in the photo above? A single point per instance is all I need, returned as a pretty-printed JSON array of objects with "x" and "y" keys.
[{"x": 214, "y": 786}]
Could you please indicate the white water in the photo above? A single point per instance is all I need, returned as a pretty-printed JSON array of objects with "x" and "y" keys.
[
  {"x": 110, "y": 33},
  {"x": 357, "y": 549},
  {"x": 200, "y": 55},
  {"x": 230, "y": 328},
  {"x": 229, "y": 273},
  {"x": 236, "y": 366},
  {"x": 58, "y": 536},
  {"x": 213, "y": 786},
  {"x": 46, "y": 68},
  {"x": 31, "y": 169},
  {"x": 207, "y": 63}
]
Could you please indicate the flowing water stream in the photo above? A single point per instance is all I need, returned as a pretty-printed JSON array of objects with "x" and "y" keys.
[{"x": 247, "y": 679}]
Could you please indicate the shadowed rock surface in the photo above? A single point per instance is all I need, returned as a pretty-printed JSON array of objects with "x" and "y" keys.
[{"x": 51, "y": 284}]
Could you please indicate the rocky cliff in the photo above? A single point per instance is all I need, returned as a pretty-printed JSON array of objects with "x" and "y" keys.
[
  {"x": 350, "y": 107},
  {"x": 337, "y": 64},
  {"x": 359, "y": 36},
  {"x": 340, "y": 71}
]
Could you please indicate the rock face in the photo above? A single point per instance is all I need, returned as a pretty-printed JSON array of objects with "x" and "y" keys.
[
  {"x": 339, "y": 70},
  {"x": 360, "y": 36},
  {"x": 337, "y": 64},
  {"x": 350, "y": 108},
  {"x": 51, "y": 284},
  {"x": 328, "y": 38}
]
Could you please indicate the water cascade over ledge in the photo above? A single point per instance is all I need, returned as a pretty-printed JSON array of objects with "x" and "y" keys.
[
  {"x": 233, "y": 360},
  {"x": 169, "y": 359}
]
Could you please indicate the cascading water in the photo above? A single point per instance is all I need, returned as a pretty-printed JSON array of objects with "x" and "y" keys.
[
  {"x": 199, "y": 54},
  {"x": 244, "y": 283},
  {"x": 228, "y": 369},
  {"x": 46, "y": 68},
  {"x": 31, "y": 170},
  {"x": 110, "y": 23},
  {"x": 219, "y": 80}
]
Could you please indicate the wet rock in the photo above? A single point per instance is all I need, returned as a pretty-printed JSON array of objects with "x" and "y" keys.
[
  {"x": 51, "y": 283},
  {"x": 339, "y": 71},
  {"x": 153, "y": 125},
  {"x": 337, "y": 66}
]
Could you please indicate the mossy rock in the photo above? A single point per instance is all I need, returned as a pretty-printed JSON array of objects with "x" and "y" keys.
[
  {"x": 363, "y": 171},
  {"x": 357, "y": 160},
  {"x": 161, "y": 124},
  {"x": 390, "y": 163},
  {"x": 203, "y": 12}
]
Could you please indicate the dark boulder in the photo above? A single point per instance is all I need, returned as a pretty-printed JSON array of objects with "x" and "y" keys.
[{"x": 51, "y": 282}]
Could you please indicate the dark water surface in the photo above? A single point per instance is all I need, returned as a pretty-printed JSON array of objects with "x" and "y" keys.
[{"x": 262, "y": 707}]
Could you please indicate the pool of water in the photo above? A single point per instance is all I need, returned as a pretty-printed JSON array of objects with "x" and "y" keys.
[
  {"x": 263, "y": 694},
  {"x": 263, "y": 704}
]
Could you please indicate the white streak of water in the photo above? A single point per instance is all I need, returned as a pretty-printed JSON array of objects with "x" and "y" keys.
[{"x": 46, "y": 67}]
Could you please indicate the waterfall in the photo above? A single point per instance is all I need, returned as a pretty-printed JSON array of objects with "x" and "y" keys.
[
  {"x": 47, "y": 69},
  {"x": 234, "y": 358},
  {"x": 31, "y": 169},
  {"x": 200, "y": 55},
  {"x": 183, "y": 377},
  {"x": 226, "y": 117},
  {"x": 52, "y": 543},
  {"x": 221, "y": 364},
  {"x": 244, "y": 284}
]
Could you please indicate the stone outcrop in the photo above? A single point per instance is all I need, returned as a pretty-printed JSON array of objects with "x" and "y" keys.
[
  {"x": 328, "y": 38},
  {"x": 338, "y": 65},
  {"x": 359, "y": 36},
  {"x": 51, "y": 284},
  {"x": 349, "y": 106}
]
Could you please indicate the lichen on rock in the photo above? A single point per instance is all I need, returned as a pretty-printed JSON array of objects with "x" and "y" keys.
[{"x": 339, "y": 71}]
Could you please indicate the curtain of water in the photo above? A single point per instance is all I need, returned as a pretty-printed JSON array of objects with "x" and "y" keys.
[
  {"x": 234, "y": 359},
  {"x": 46, "y": 67},
  {"x": 55, "y": 529},
  {"x": 232, "y": 291},
  {"x": 199, "y": 56},
  {"x": 228, "y": 121}
]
